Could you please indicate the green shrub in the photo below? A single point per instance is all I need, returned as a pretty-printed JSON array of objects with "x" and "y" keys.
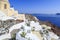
[
  {"x": 13, "y": 37},
  {"x": 27, "y": 24},
  {"x": 33, "y": 29},
  {"x": 23, "y": 34}
]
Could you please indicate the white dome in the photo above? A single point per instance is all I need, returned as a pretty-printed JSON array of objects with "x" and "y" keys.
[
  {"x": 2, "y": 14},
  {"x": 4, "y": 17}
]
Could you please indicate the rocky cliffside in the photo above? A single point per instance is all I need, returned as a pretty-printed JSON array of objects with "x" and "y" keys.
[
  {"x": 54, "y": 28},
  {"x": 30, "y": 17}
]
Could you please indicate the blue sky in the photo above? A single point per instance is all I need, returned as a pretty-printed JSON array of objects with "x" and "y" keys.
[{"x": 36, "y": 6}]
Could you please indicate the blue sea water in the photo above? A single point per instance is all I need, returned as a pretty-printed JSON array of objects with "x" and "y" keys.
[{"x": 53, "y": 18}]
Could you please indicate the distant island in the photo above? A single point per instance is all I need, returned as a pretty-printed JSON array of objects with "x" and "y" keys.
[{"x": 57, "y": 13}]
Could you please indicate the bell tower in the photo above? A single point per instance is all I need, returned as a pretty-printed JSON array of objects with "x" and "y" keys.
[{"x": 4, "y": 6}]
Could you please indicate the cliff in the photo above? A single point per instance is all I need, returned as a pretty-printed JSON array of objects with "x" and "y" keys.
[{"x": 30, "y": 17}]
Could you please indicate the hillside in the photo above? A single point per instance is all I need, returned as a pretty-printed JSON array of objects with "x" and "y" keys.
[
  {"x": 54, "y": 28},
  {"x": 29, "y": 29}
]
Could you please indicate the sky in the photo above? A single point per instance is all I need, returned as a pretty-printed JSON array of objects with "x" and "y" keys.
[{"x": 36, "y": 6}]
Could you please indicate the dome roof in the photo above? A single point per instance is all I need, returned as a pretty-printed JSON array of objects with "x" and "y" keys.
[
  {"x": 4, "y": 17},
  {"x": 2, "y": 14}
]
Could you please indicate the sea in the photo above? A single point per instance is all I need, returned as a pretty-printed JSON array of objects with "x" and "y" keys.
[{"x": 53, "y": 18}]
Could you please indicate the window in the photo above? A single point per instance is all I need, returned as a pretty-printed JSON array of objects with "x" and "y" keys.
[{"x": 5, "y": 6}]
